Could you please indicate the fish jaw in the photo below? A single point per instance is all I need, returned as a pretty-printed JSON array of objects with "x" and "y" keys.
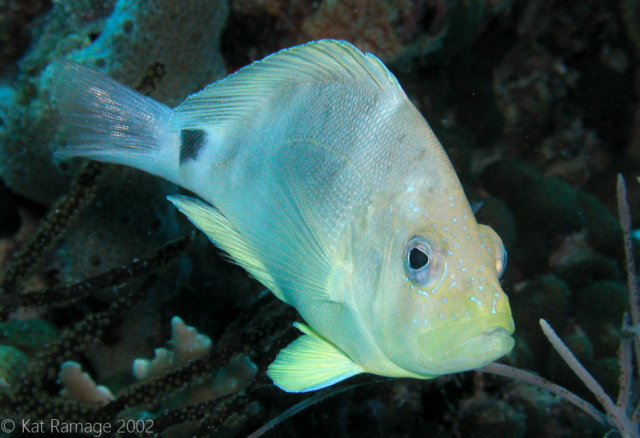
[{"x": 466, "y": 345}]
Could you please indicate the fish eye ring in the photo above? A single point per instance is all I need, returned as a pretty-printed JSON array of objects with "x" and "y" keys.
[
  {"x": 501, "y": 262},
  {"x": 499, "y": 251},
  {"x": 419, "y": 262}
]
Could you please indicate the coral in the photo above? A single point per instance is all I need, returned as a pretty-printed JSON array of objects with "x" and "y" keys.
[
  {"x": 623, "y": 415},
  {"x": 62, "y": 296},
  {"x": 547, "y": 415},
  {"x": 29, "y": 395},
  {"x": 603, "y": 230},
  {"x": 399, "y": 32},
  {"x": 545, "y": 297},
  {"x": 30, "y": 398},
  {"x": 495, "y": 213},
  {"x": 12, "y": 364},
  {"x": 146, "y": 221},
  {"x": 507, "y": 179},
  {"x": 10, "y": 220},
  {"x": 64, "y": 212},
  {"x": 555, "y": 207},
  {"x": 27, "y": 335},
  {"x": 128, "y": 45},
  {"x": 81, "y": 387},
  {"x": 16, "y": 21},
  {"x": 365, "y": 23},
  {"x": 526, "y": 88},
  {"x": 584, "y": 269},
  {"x": 233, "y": 377},
  {"x": 573, "y": 154},
  {"x": 167, "y": 50},
  {"x": 550, "y": 208},
  {"x": 186, "y": 344},
  {"x": 487, "y": 417},
  {"x": 552, "y": 84},
  {"x": 582, "y": 348},
  {"x": 599, "y": 308}
]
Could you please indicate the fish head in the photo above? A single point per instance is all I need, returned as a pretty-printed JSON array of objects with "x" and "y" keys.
[{"x": 438, "y": 306}]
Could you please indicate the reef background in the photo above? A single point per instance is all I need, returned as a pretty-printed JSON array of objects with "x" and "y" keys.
[{"x": 535, "y": 102}]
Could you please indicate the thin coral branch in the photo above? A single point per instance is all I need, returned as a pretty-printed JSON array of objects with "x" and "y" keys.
[
  {"x": 632, "y": 329},
  {"x": 63, "y": 296},
  {"x": 576, "y": 366},
  {"x": 271, "y": 317},
  {"x": 617, "y": 416},
  {"x": 625, "y": 223},
  {"x": 231, "y": 413},
  {"x": 632, "y": 283},
  {"x": 60, "y": 217},
  {"x": 625, "y": 358},
  {"x": 299, "y": 407},
  {"x": 67, "y": 209},
  {"x": 30, "y": 399},
  {"x": 540, "y": 382}
]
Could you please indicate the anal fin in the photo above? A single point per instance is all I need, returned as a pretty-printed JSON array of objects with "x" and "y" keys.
[{"x": 311, "y": 362}]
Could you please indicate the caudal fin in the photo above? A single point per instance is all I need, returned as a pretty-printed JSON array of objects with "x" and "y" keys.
[{"x": 107, "y": 121}]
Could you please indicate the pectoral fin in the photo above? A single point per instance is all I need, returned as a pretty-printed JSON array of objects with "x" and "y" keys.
[
  {"x": 223, "y": 234},
  {"x": 311, "y": 362}
]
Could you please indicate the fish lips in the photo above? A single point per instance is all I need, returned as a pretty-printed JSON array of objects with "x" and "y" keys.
[{"x": 466, "y": 345}]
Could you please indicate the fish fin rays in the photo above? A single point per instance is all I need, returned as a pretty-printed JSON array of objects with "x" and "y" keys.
[
  {"x": 305, "y": 259},
  {"x": 224, "y": 235},
  {"x": 278, "y": 265},
  {"x": 311, "y": 362},
  {"x": 238, "y": 96},
  {"x": 105, "y": 120}
]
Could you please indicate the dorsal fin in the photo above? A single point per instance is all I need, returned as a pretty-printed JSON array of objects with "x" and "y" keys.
[{"x": 225, "y": 102}]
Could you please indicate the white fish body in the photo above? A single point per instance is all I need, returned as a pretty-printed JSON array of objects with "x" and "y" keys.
[{"x": 330, "y": 188}]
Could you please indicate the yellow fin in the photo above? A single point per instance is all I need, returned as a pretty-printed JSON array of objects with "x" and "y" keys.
[
  {"x": 311, "y": 362},
  {"x": 224, "y": 235}
]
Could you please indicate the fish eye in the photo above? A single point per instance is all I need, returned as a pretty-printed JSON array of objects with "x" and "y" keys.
[
  {"x": 500, "y": 252},
  {"x": 501, "y": 262},
  {"x": 418, "y": 260}
]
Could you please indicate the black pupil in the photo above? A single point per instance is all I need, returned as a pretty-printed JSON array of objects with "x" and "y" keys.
[{"x": 417, "y": 258}]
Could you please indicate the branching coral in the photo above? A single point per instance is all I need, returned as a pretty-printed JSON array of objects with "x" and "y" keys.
[
  {"x": 621, "y": 415},
  {"x": 60, "y": 217},
  {"x": 31, "y": 395},
  {"x": 30, "y": 392},
  {"x": 64, "y": 295},
  {"x": 80, "y": 386},
  {"x": 186, "y": 343}
]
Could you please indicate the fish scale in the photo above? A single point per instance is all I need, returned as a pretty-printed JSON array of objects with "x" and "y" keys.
[{"x": 318, "y": 176}]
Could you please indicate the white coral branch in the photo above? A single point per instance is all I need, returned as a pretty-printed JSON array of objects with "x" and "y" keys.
[
  {"x": 186, "y": 343},
  {"x": 80, "y": 386}
]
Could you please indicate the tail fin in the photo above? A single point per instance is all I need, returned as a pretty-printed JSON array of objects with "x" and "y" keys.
[{"x": 109, "y": 122}]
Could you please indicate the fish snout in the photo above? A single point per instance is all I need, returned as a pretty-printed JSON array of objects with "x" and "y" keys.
[{"x": 467, "y": 345}]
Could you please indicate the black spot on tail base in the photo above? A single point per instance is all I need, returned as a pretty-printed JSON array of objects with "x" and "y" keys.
[{"x": 191, "y": 142}]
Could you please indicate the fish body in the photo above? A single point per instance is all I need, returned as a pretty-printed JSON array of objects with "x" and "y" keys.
[{"x": 318, "y": 176}]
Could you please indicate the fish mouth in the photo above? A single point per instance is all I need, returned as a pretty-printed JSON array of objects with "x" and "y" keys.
[{"x": 467, "y": 345}]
